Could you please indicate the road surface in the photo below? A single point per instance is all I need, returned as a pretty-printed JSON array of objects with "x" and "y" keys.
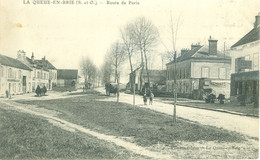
[{"x": 242, "y": 124}]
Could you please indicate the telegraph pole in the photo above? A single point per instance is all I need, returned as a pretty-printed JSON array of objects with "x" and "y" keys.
[{"x": 175, "y": 89}]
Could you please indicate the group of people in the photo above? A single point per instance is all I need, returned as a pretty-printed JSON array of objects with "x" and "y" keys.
[
  {"x": 149, "y": 96},
  {"x": 40, "y": 91}
]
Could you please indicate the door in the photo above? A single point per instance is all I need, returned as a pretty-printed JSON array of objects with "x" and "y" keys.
[
  {"x": 49, "y": 84},
  {"x": 24, "y": 84},
  {"x": 9, "y": 88}
]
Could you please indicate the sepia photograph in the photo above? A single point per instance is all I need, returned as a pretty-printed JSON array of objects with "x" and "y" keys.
[{"x": 129, "y": 79}]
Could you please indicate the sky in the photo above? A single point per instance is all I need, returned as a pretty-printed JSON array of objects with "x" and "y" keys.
[{"x": 65, "y": 33}]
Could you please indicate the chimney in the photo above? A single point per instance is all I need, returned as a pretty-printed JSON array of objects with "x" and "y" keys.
[
  {"x": 21, "y": 55},
  {"x": 193, "y": 46},
  {"x": 257, "y": 20},
  {"x": 213, "y": 46},
  {"x": 43, "y": 58},
  {"x": 32, "y": 57},
  {"x": 184, "y": 51}
]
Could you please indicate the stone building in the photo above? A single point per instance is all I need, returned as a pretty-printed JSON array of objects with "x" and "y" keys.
[
  {"x": 67, "y": 78},
  {"x": 43, "y": 72},
  {"x": 15, "y": 76},
  {"x": 245, "y": 65},
  {"x": 198, "y": 69},
  {"x": 157, "y": 79}
]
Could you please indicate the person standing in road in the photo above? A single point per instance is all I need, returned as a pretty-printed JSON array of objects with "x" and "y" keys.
[
  {"x": 151, "y": 98},
  {"x": 145, "y": 99}
]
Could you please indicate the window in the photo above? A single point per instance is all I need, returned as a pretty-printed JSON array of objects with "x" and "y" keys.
[
  {"x": 15, "y": 74},
  {"x": 1, "y": 71},
  {"x": 10, "y": 73},
  {"x": 38, "y": 74},
  {"x": 204, "y": 72},
  {"x": 19, "y": 74},
  {"x": 255, "y": 61},
  {"x": 14, "y": 87},
  {"x": 33, "y": 86},
  {"x": 222, "y": 73},
  {"x": 29, "y": 86},
  {"x": 247, "y": 57},
  {"x": 19, "y": 87}
]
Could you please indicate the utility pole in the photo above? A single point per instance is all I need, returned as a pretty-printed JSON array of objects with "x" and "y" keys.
[{"x": 175, "y": 89}]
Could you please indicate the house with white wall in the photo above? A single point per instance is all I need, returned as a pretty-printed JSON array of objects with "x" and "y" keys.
[
  {"x": 15, "y": 76},
  {"x": 43, "y": 72},
  {"x": 245, "y": 65},
  {"x": 200, "y": 68}
]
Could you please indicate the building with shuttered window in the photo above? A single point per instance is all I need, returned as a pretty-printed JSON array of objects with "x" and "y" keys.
[
  {"x": 199, "y": 68},
  {"x": 245, "y": 65}
]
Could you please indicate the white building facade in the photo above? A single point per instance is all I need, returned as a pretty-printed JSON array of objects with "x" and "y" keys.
[{"x": 15, "y": 77}]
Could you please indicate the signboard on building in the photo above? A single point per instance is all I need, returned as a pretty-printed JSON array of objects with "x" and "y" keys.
[{"x": 242, "y": 64}]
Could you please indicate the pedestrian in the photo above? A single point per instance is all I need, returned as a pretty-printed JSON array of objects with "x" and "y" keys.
[
  {"x": 7, "y": 93},
  {"x": 151, "y": 98},
  {"x": 38, "y": 91},
  {"x": 44, "y": 90},
  {"x": 145, "y": 99}
]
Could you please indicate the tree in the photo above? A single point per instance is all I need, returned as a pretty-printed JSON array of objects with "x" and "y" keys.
[
  {"x": 116, "y": 58},
  {"x": 171, "y": 54},
  {"x": 88, "y": 69},
  {"x": 106, "y": 70},
  {"x": 145, "y": 36},
  {"x": 129, "y": 46},
  {"x": 128, "y": 42}
]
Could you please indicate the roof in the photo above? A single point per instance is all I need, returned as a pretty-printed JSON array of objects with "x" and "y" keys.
[
  {"x": 251, "y": 36},
  {"x": 41, "y": 64},
  {"x": 200, "y": 52},
  {"x": 156, "y": 76},
  {"x": 67, "y": 74},
  {"x": 8, "y": 61},
  {"x": 45, "y": 63},
  {"x": 156, "y": 72}
]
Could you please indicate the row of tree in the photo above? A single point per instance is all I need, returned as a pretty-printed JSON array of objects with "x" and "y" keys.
[
  {"x": 91, "y": 73},
  {"x": 137, "y": 38}
]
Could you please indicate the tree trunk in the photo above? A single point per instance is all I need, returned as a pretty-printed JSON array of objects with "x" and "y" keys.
[
  {"x": 147, "y": 71},
  {"x": 142, "y": 69},
  {"x": 131, "y": 68}
]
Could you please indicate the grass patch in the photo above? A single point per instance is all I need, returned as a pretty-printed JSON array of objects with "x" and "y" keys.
[
  {"x": 23, "y": 136},
  {"x": 145, "y": 126}
]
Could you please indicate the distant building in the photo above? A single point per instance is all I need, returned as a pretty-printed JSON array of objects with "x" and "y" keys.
[
  {"x": 199, "y": 69},
  {"x": 245, "y": 65},
  {"x": 43, "y": 72},
  {"x": 157, "y": 79},
  {"x": 15, "y": 76},
  {"x": 67, "y": 78}
]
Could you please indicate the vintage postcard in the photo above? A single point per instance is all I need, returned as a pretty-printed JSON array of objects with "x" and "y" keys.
[{"x": 129, "y": 79}]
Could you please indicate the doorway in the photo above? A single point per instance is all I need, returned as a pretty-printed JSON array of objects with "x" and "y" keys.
[{"x": 24, "y": 84}]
